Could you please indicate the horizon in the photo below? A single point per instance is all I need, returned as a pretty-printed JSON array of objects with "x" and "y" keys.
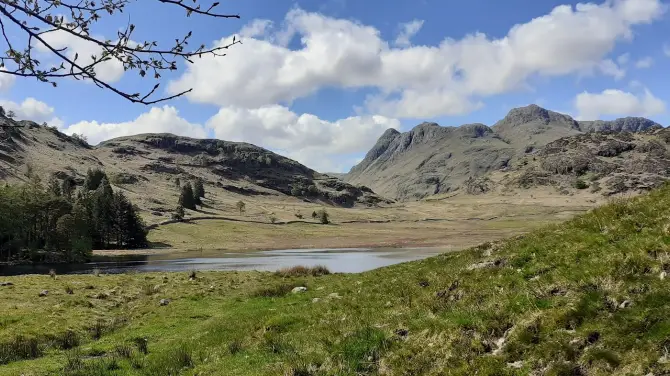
[{"x": 319, "y": 83}]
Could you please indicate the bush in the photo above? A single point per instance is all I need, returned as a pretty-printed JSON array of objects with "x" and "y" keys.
[
  {"x": 303, "y": 271},
  {"x": 323, "y": 216},
  {"x": 581, "y": 184},
  {"x": 274, "y": 291}
]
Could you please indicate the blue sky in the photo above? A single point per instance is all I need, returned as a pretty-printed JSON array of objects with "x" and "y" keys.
[{"x": 319, "y": 81}]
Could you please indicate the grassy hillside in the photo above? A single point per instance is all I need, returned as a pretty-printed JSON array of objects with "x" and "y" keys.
[{"x": 586, "y": 297}]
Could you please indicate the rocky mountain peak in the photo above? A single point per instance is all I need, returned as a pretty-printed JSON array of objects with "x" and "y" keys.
[{"x": 535, "y": 114}]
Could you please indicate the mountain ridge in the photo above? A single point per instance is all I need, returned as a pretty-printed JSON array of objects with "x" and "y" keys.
[{"x": 430, "y": 159}]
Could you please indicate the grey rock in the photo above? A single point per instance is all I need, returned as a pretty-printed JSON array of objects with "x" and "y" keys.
[
  {"x": 44, "y": 293},
  {"x": 164, "y": 302},
  {"x": 299, "y": 289}
]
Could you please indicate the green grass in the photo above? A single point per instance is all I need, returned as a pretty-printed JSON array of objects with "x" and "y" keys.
[{"x": 583, "y": 297}]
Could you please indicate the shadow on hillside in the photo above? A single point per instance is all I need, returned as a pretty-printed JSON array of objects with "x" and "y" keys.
[{"x": 159, "y": 245}]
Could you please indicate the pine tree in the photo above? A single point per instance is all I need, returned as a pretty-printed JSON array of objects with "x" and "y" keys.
[
  {"x": 67, "y": 188},
  {"x": 186, "y": 199},
  {"x": 93, "y": 179},
  {"x": 103, "y": 218},
  {"x": 177, "y": 183},
  {"x": 179, "y": 213},
  {"x": 198, "y": 189},
  {"x": 54, "y": 187}
]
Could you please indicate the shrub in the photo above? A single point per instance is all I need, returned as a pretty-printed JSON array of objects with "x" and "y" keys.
[
  {"x": 68, "y": 340},
  {"x": 273, "y": 219},
  {"x": 303, "y": 271},
  {"x": 581, "y": 184},
  {"x": 19, "y": 348},
  {"x": 323, "y": 216},
  {"x": 273, "y": 291}
]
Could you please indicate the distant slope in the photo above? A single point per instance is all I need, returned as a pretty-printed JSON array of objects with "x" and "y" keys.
[
  {"x": 147, "y": 165},
  {"x": 430, "y": 159}
]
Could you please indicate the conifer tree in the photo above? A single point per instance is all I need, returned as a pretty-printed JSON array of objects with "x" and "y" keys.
[{"x": 186, "y": 199}]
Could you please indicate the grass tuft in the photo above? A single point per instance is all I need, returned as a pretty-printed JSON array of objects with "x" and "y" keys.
[{"x": 303, "y": 271}]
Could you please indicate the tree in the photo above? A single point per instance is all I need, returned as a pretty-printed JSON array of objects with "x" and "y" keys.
[
  {"x": 323, "y": 216},
  {"x": 94, "y": 178},
  {"x": 186, "y": 198},
  {"x": 177, "y": 183},
  {"x": 179, "y": 213},
  {"x": 198, "y": 189},
  {"x": 54, "y": 187},
  {"x": 33, "y": 19},
  {"x": 11, "y": 113},
  {"x": 67, "y": 188},
  {"x": 241, "y": 206},
  {"x": 314, "y": 215}
]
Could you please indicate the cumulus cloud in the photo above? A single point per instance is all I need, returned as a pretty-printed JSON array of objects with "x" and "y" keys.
[
  {"x": 317, "y": 143},
  {"x": 6, "y": 81},
  {"x": 347, "y": 54},
  {"x": 591, "y": 106},
  {"x": 623, "y": 59},
  {"x": 610, "y": 68},
  {"x": 164, "y": 119},
  {"x": 645, "y": 62},
  {"x": 407, "y": 32},
  {"x": 32, "y": 109},
  {"x": 109, "y": 71}
]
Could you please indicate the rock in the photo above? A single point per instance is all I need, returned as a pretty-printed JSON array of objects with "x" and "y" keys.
[
  {"x": 316, "y": 300},
  {"x": 299, "y": 289},
  {"x": 624, "y": 304},
  {"x": 211, "y": 288},
  {"x": 401, "y": 332},
  {"x": 334, "y": 296},
  {"x": 388, "y": 304},
  {"x": 44, "y": 293},
  {"x": 6, "y": 284},
  {"x": 164, "y": 302},
  {"x": 518, "y": 364},
  {"x": 662, "y": 275},
  {"x": 424, "y": 284},
  {"x": 593, "y": 337}
]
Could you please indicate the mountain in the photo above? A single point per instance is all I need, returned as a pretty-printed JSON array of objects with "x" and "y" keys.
[
  {"x": 152, "y": 162},
  {"x": 431, "y": 159}
]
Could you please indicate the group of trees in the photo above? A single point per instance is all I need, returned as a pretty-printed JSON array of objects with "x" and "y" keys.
[
  {"x": 51, "y": 223},
  {"x": 191, "y": 195}
]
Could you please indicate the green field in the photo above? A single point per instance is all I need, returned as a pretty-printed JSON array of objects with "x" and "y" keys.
[{"x": 586, "y": 297}]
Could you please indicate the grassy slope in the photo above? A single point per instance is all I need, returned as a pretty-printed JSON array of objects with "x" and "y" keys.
[{"x": 582, "y": 297}]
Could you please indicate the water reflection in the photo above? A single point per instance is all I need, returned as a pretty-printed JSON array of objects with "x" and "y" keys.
[{"x": 342, "y": 260}]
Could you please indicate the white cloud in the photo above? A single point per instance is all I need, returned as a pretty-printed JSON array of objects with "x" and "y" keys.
[
  {"x": 645, "y": 62},
  {"x": 623, "y": 59},
  {"x": 610, "y": 68},
  {"x": 164, "y": 119},
  {"x": 591, "y": 106},
  {"x": 32, "y": 109},
  {"x": 412, "y": 80},
  {"x": 407, "y": 32},
  {"x": 666, "y": 50},
  {"x": 109, "y": 71},
  {"x": 310, "y": 140},
  {"x": 6, "y": 81}
]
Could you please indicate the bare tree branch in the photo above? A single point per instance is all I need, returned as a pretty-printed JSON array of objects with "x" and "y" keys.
[{"x": 37, "y": 18}]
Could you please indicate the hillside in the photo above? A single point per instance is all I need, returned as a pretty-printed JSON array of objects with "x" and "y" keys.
[
  {"x": 431, "y": 159},
  {"x": 152, "y": 162},
  {"x": 586, "y": 297}
]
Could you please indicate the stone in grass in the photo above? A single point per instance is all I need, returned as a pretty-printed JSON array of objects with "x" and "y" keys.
[
  {"x": 44, "y": 293},
  {"x": 6, "y": 284},
  {"x": 164, "y": 302},
  {"x": 299, "y": 289}
]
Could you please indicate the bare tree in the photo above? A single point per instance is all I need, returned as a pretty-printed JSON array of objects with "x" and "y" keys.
[{"x": 36, "y": 18}]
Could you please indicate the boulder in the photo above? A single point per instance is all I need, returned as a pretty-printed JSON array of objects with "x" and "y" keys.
[{"x": 299, "y": 289}]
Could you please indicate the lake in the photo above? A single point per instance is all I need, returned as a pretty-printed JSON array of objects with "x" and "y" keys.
[{"x": 341, "y": 260}]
